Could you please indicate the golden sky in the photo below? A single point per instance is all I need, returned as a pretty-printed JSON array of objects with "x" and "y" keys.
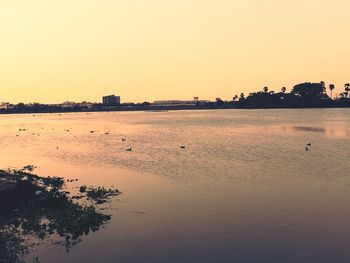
[{"x": 144, "y": 50}]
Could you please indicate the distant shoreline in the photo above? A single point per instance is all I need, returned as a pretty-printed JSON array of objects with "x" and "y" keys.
[
  {"x": 177, "y": 108},
  {"x": 305, "y": 95}
]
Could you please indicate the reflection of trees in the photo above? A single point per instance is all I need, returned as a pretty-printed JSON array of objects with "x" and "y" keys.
[{"x": 48, "y": 215}]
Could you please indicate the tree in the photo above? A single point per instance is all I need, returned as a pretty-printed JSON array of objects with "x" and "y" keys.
[
  {"x": 331, "y": 88},
  {"x": 309, "y": 91},
  {"x": 20, "y": 106},
  {"x": 283, "y": 89},
  {"x": 219, "y": 102},
  {"x": 266, "y": 89},
  {"x": 347, "y": 89},
  {"x": 146, "y": 104},
  {"x": 241, "y": 98},
  {"x": 235, "y": 97}
]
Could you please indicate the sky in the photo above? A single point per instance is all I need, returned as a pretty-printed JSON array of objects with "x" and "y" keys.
[{"x": 145, "y": 50}]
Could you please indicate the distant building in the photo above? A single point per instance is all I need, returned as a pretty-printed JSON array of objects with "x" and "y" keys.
[{"x": 111, "y": 100}]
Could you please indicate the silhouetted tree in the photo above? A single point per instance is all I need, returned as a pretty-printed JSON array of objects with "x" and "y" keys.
[
  {"x": 309, "y": 91},
  {"x": 219, "y": 102},
  {"x": 331, "y": 88},
  {"x": 20, "y": 107},
  {"x": 283, "y": 89},
  {"x": 266, "y": 89},
  {"x": 347, "y": 89}
]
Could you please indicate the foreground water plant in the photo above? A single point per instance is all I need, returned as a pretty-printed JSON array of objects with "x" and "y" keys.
[{"x": 40, "y": 209}]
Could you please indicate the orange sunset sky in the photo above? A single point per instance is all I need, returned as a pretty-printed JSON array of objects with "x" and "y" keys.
[{"x": 144, "y": 50}]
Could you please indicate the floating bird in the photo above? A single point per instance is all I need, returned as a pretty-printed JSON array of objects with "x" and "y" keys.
[
  {"x": 123, "y": 140},
  {"x": 309, "y": 144},
  {"x": 183, "y": 147},
  {"x": 306, "y": 148},
  {"x": 57, "y": 147},
  {"x": 129, "y": 149}
]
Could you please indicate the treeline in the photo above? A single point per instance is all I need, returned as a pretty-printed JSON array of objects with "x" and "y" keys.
[
  {"x": 302, "y": 95},
  {"x": 47, "y": 108},
  {"x": 41, "y": 108}
]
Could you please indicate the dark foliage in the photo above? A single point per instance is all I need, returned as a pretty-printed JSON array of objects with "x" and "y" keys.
[{"x": 40, "y": 207}]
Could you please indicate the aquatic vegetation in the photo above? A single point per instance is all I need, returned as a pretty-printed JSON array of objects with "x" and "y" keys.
[
  {"x": 10, "y": 247},
  {"x": 99, "y": 195},
  {"x": 40, "y": 208}
]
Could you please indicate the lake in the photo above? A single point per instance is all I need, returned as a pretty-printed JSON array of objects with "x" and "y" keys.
[{"x": 244, "y": 189}]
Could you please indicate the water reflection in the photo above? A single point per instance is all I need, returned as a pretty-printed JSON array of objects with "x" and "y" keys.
[
  {"x": 308, "y": 129},
  {"x": 330, "y": 130}
]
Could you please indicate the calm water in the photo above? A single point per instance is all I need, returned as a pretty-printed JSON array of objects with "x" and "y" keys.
[{"x": 243, "y": 190}]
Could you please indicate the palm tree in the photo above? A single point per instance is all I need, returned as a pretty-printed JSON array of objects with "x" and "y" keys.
[
  {"x": 331, "y": 88},
  {"x": 235, "y": 97},
  {"x": 283, "y": 89},
  {"x": 346, "y": 88},
  {"x": 265, "y": 89}
]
